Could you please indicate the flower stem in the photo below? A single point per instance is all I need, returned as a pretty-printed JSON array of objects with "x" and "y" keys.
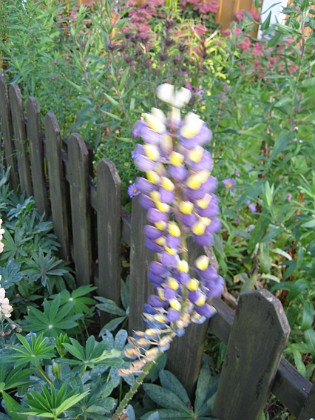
[
  {"x": 42, "y": 372},
  {"x": 124, "y": 402}
]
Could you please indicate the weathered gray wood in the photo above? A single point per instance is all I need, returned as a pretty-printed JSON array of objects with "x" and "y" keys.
[
  {"x": 57, "y": 187},
  {"x": 308, "y": 410},
  {"x": 36, "y": 155},
  {"x": 255, "y": 345},
  {"x": 139, "y": 285},
  {"x": 21, "y": 145},
  {"x": 290, "y": 387},
  {"x": 78, "y": 173},
  {"x": 126, "y": 226},
  {"x": 6, "y": 129},
  {"x": 221, "y": 323},
  {"x": 192, "y": 341},
  {"x": 108, "y": 230}
]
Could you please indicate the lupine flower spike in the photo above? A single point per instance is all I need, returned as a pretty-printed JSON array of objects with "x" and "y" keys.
[{"x": 178, "y": 193}]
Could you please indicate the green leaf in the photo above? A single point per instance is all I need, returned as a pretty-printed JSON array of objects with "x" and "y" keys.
[
  {"x": 112, "y": 325},
  {"x": 280, "y": 144},
  {"x": 307, "y": 315},
  {"x": 109, "y": 306},
  {"x": 13, "y": 407},
  {"x": 266, "y": 23},
  {"x": 298, "y": 362},
  {"x": 169, "y": 381},
  {"x": 165, "y": 398},
  {"x": 310, "y": 339},
  {"x": 206, "y": 388},
  {"x": 164, "y": 414},
  {"x": 310, "y": 224},
  {"x": 71, "y": 401}
]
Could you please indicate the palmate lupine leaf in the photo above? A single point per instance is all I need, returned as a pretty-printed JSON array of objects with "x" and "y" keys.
[
  {"x": 42, "y": 266},
  {"x": 92, "y": 354},
  {"x": 33, "y": 350},
  {"x": 55, "y": 318},
  {"x": 81, "y": 303},
  {"x": 13, "y": 378},
  {"x": 50, "y": 403}
]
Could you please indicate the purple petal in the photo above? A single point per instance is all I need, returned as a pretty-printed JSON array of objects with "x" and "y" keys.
[
  {"x": 152, "y": 232},
  {"x": 169, "y": 293},
  {"x": 205, "y": 310},
  {"x": 173, "y": 315},
  {"x": 146, "y": 202},
  {"x": 173, "y": 242},
  {"x": 155, "y": 216},
  {"x": 152, "y": 246},
  {"x": 169, "y": 260},
  {"x": 166, "y": 196},
  {"x": 144, "y": 185},
  {"x": 178, "y": 173},
  {"x": 156, "y": 302},
  {"x": 156, "y": 268}
]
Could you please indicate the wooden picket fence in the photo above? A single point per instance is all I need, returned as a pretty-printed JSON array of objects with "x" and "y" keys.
[{"x": 91, "y": 226}]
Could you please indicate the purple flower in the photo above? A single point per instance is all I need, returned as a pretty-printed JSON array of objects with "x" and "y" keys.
[
  {"x": 133, "y": 190},
  {"x": 229, "y": 183},
  {"x": 288, "y": 197},
  {"x": 251, "y": 206}
]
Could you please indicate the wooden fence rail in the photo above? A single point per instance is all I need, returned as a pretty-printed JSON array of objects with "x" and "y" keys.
[{"x": 91, "y": 226}]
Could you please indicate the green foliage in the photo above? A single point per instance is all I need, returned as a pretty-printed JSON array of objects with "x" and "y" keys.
[
  {"x": 28, "y": 264},
  {"x": 171, "y": 399},
  {"x": 51, "y": 403},
  {"x": 54, "y": 319},
  {"x": 94, "y": 353},
  {"x": 31, "y": 351},
  {"x": 110, "y": 307}
]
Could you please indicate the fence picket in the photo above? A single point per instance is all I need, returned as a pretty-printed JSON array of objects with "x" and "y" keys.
[
  {"x": 37, "y": 160},
  {"x": 139, "y": 285},
  {"x": 108, "y": 230},
  {"x": 6, "y": 128},
  {"x": 78, "y": 177},
  {"x": 18, "y": 123},
  {"x": 57, "y": 188},
  {"x": 255, "y": 345}
]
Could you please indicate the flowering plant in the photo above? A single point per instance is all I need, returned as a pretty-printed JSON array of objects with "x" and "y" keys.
[{"x": 178, "y": 194}]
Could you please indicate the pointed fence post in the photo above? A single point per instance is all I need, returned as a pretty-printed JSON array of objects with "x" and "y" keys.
[
  {"x": 78, "y": 177},
  {"x": 139, "y": 285},
  {"x": 57, "y": 187},
  {"x": 6, "y": 128},
  {"x": 255, "y": 346},
  {"x": 108, "y": 230},
  {"x": 36, "y": 156},
  {"x": 18, "y": 123}
]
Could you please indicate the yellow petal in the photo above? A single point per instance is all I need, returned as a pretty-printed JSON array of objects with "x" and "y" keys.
[
  {"x": 192, "y": 285},
  {"x": 176, "y": 158},
  {"x": 154, "y": 123},
  {"x": 183, "y": 266},
  {"x": 173, "y": 229},
  {"x": 186, "y": 207},
  {"x": 167, "y": 184},
  {"x": 196, "y": 154},
  {"x": 202, "y": 263}
]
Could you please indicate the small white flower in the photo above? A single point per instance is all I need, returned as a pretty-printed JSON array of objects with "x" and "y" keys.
[
  {"x": 177, "y": 99},
  {"x": 192, "y": 125}
]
